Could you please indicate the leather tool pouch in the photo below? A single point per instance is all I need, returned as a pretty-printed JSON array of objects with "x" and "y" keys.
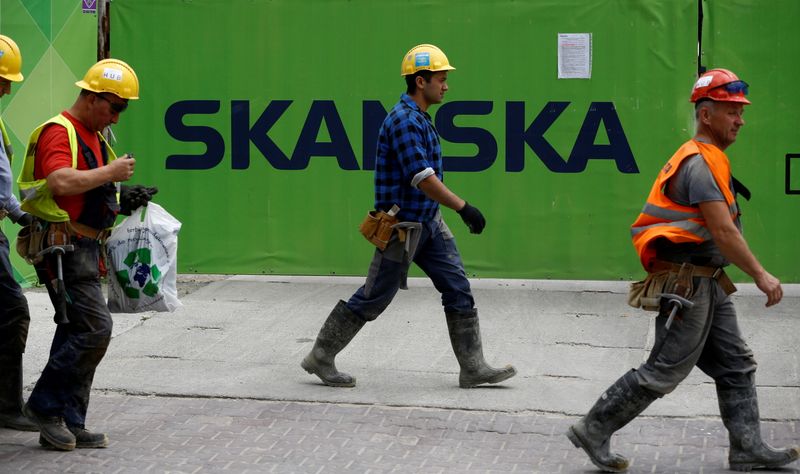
[
  {"x": 30, "y": 241},
  {"x": 377, "y": 228},
  {"x": 34, "y": 238},
  {"x": 646, "y": 294},
  {"x": 58, "y": 233}
]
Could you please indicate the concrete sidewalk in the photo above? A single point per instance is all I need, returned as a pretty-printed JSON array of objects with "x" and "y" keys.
[
  {"x": 244, "y": 337},
  {"x": 217, "y": 387}
]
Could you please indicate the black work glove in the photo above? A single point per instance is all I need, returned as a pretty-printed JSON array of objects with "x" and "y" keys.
[
  {"x": 133, "y": 197},
  {"x": 473, "y": 218},
  {"x": 25, "y": 220}
]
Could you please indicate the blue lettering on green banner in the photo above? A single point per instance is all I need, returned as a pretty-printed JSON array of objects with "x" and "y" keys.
[{"x": 519, "y": 137}]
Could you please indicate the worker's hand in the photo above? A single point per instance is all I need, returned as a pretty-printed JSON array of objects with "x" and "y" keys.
[
  {"x": 122, "y": 168},
  {"x": 473, "y": 218},
  {"x": 133, "y": 197},
  {"x": 25, "y": 220},
  {"x": 771, "y": 287}
]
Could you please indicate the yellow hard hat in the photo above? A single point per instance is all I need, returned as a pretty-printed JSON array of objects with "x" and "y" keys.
[
  {"x": 10, "y": 60},
  {"x": 111, "y": 75},
  {"x": 424, "y": 57}
]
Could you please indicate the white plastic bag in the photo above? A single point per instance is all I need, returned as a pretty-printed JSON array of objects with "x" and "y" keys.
[{"x": 143, "y": 262}]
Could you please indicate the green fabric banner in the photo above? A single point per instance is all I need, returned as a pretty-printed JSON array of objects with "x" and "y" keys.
[{"x": 258, "y": 121}]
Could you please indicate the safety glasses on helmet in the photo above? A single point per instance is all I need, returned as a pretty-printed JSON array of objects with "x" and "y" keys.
[{"x": 736, "y": 87}]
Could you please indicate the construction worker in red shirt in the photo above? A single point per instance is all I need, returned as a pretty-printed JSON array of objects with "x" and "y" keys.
[{"x": 69, "y": 183}]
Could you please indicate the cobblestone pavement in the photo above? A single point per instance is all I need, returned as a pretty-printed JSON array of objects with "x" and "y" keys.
[{"x": 189, "y": 435}]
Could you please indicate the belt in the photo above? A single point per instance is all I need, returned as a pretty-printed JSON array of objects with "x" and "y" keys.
[
  {"x": 84, "y": 230},
  {"x": 697, "y": 270},
  {"x": 715, "y": 273}
]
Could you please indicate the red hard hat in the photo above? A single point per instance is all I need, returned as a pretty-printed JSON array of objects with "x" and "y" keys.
[{"x": 720, "y": 85}]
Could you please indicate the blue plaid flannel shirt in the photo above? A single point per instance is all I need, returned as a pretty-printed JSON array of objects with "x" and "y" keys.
[{"x": 408, "y": 145}]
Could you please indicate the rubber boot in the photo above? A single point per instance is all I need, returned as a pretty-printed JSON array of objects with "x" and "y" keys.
[
  {"x": 11, "y": 394},
  {"x": 739, "y": 410},
  {"x": 465, "y": 336},
  {"x": 337, "y": 331},
  {"x": 616, "y": 407}
]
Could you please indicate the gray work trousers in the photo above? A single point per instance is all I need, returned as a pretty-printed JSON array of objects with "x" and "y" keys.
[{"x": 706, "y": 336}]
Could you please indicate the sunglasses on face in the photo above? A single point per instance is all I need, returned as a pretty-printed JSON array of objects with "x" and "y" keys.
[{"x": 117, "y": 107}]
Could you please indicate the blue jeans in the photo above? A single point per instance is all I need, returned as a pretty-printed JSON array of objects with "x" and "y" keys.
[
  {"x": 14, "y": 316},
  {"x": 706, "y": 336},
  {"x": 79, "y": 346},
  {"x": 436, "y": 255}
]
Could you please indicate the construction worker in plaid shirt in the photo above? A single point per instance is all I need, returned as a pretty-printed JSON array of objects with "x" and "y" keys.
[{"x": 408, "y": 174}]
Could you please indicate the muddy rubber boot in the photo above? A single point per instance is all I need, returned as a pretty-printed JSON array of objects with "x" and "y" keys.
[
  {"x": 739, "y": 410},
  {"x": 11, "y": 394},
  {"x": 615, "y": 408},
  {"x": 465, "y": 336},
  {"x": 337, "y": 331}
]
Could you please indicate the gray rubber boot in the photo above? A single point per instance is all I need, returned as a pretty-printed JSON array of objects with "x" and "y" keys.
[
  {"x": 11, "y": 394},
  {"x": 617, "y": 406},
  {"x": 337, "y": 331},
  {"x": 465, "y": 336},
  {"x": 739, "y": 410}
]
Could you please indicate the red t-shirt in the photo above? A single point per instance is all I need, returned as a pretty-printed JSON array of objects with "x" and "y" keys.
[{"x": 53, "y": 153}]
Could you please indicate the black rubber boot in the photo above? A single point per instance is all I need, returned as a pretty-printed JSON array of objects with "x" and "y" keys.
[
  {"x": 465, "y": 336},
  {"x": 739, "y": 410},
  {"x": 11, "y": 394},
  {"x": 337, "y": 331},
  {"x": 617, "y": 406},
  {"x": 84, "y": 439},
  {"x": 52, "y": 428}
]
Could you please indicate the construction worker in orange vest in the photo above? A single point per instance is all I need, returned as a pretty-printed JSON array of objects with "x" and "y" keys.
[{"x": 687, "y": 232}]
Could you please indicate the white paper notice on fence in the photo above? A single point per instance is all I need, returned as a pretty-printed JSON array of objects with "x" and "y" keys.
[{"x": 574, "y": 55}]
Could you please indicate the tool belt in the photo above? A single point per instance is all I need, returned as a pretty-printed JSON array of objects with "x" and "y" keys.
[
  {"x": 676, "y": 278},
  {"x": 378, "y": 227},
  {"x": 34, "y": 238},
  {"x": 77, "y": 229},
  {"x": 3, "y": 214}
]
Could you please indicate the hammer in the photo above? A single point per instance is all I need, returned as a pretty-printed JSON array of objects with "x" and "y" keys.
[
  {"x": 677, "y": 302},
  {"x": 61, "y": 304}
]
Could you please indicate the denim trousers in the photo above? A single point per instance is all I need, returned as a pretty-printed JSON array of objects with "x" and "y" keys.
[
  {"x": 436, "y": 254},
  {"x": 14, "y": 316},
  {"x": 706, "y": 336},
  {"x": 78, "y": 346}
]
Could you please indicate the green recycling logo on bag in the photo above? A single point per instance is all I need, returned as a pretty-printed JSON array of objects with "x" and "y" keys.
[
  {"x": 142, "y": 254},
  {"x": 140, "y": 276}
]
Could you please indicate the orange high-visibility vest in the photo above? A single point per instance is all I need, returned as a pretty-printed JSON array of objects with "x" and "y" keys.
[{"x": 663, "y": 218}]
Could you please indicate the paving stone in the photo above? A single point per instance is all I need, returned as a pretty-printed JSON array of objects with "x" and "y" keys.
[{"x": 216, "y": 435}]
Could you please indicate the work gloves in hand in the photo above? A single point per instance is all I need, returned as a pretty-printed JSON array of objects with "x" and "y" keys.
[
  {"x": 133, "y": 197},
  {"x": 473, "y": 218}
]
